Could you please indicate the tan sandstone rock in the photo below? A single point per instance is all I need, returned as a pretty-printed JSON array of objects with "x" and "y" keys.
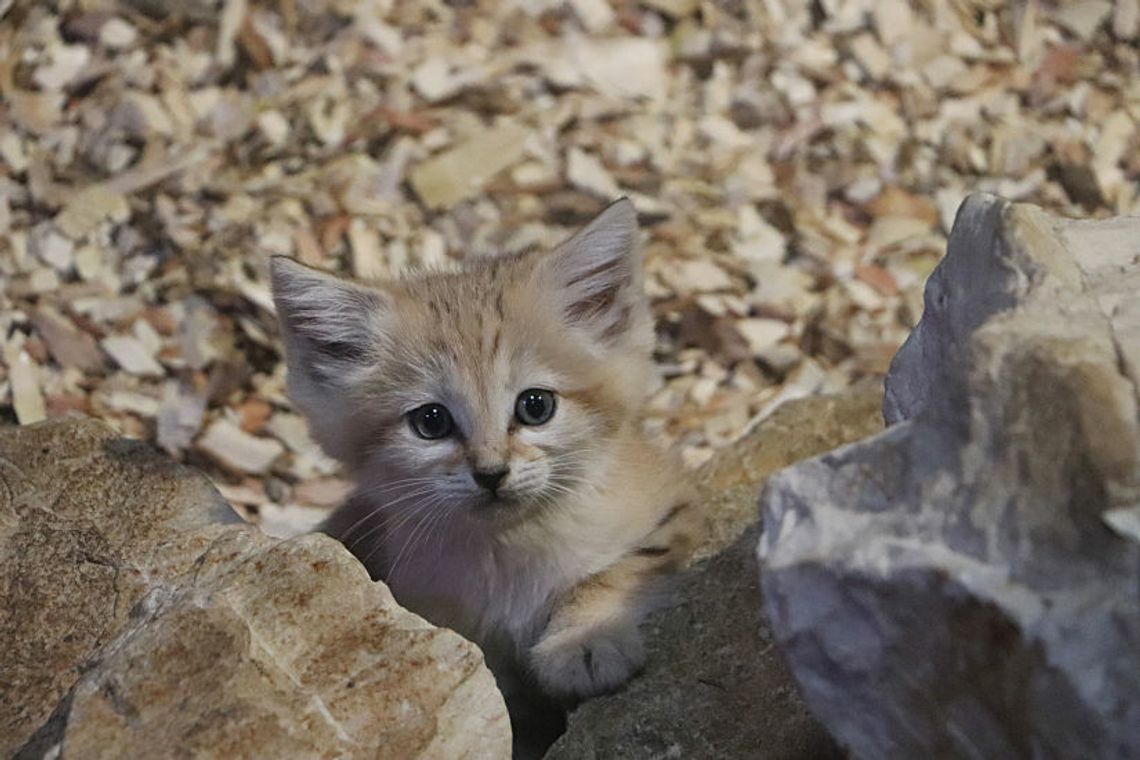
[{"x": 141, "y": 613}]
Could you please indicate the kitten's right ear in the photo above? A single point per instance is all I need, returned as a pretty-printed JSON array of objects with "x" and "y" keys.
[{"x": 329, "y": 325}]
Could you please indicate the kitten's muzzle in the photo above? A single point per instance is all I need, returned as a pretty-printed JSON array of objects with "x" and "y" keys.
[{"x": 490, "y": 479}]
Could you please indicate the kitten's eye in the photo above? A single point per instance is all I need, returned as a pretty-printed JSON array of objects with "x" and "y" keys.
[
  {"x": 431, "y": 421},
  {"x": 534, "y": 406}
]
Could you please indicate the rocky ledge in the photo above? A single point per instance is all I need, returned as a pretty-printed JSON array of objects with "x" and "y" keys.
[
  {"x": 965, "y": 584},
  {"x": 140, "y": 612},
  {"x": 144, "y": 613}
]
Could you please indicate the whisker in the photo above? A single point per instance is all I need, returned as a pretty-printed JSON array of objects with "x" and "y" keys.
[
  {"x": 379, "y": 526},
  {"x": 433, "y": 524},
  {"x": 412, "y": 542},
  {"x": 379, "y": 509},
  {"x": 445, "y": 514},
  {"x": 420, "y": 509},
  {"x": 390, "y": 485}
]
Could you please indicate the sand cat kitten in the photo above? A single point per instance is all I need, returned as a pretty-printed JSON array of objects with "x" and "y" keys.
[{"x": 490, "y": 418}]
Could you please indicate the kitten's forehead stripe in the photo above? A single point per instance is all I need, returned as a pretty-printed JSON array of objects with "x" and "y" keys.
[
  {"x": 672, "y": 513},
  {"x": 594, "y": 396}
]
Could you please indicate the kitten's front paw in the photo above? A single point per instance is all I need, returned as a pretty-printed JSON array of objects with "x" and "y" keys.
[{"x": 575, "y": 663}]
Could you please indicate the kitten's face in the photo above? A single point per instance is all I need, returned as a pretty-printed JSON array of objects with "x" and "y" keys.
[
  {"x": 482, "y": 401},
  {"x": 494, "y": 390}
]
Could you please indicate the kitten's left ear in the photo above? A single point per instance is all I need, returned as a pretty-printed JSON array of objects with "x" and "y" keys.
[{"x": 596, "y": 276}]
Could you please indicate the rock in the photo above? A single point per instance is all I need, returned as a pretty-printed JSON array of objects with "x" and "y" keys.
[
  {"x": 714, "y": 685},
  {"x": 141, "y": 612},
  {"x": 964, "y": 584}
]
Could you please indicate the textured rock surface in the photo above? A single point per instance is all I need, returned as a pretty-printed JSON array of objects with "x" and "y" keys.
[
  {"x": 715, "y": 685},
  {"x": 138, "y": 614},
  {"x": 967, "y": 583}
]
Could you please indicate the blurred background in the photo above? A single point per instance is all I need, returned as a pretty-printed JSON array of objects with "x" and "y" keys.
[{"x": 796, "y": 166}]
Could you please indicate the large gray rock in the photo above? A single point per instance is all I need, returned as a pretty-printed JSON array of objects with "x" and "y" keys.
[
  {"x": 967, "y": 583},
  {"x": 714, "y": 685},
  {"x": 141, "y": 617}
]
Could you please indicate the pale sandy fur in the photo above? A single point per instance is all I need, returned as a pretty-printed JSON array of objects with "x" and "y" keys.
[{"x": 554, "y": 579}]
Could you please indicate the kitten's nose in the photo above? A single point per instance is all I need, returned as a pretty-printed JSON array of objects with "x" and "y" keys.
[{"x": 490, "y": 479}]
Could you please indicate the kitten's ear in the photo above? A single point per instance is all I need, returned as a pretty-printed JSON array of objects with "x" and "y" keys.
[
  {"x": 596, "y": 275},
  {"x": 329, "y": 325}
]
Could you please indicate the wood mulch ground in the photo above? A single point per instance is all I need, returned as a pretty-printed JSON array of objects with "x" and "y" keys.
[{"x": 796, "y": 166}]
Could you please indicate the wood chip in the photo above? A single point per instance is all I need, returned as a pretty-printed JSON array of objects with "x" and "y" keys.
[
  {"x": 325, "y": 492},
  {"x": 795, "y": 174},
  {"x": 696, "y": 276},
  {"x": 130, "y": 354},
  {"x": 237, "y": 450},
  {"x": 117, "y": 34},
  {"x": 460, "y": 172},
  {"x": 254, "y": 413},
  {"x": 88, "y": 208},
  {"x": 1126, "y": 19},
  {"x": 595, "y": 15},
  {"x": 27, "y": 398},
  {"x": 69, "y": 346},
  {"x": 586, "y": 172},
  {"x": 1083, "y": 17},
  {"x": 625, "y": 68},
  {"x": 673, "y": 8},
  {"x": 179, "y": 416},
  {"x": 762, "y": 334}
]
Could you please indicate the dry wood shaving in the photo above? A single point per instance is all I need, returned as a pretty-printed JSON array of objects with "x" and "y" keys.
[{"x": 796, "y": 167}]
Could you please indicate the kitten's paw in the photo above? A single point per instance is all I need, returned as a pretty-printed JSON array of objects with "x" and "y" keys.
[{"x": 575, "y": 663}]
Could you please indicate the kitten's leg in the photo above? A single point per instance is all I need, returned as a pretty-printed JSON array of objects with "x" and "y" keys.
[{"x": 592, "y": 643}]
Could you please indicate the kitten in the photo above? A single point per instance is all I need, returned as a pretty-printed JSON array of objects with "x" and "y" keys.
[{"x": 491, "y": 420}]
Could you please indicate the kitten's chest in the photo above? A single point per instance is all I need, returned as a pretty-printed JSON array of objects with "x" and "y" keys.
[{"x": 482, "y": 591}]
